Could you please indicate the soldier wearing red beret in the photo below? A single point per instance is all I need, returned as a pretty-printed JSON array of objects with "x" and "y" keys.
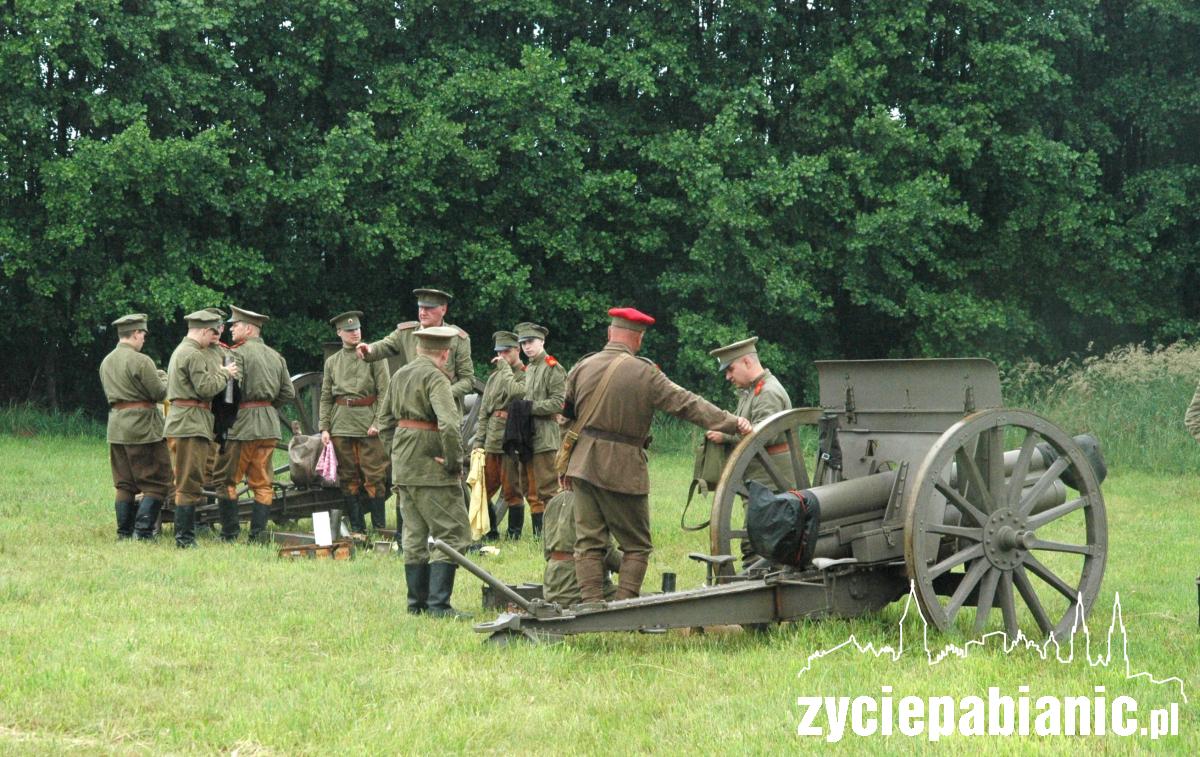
[{"x": 612, "y": 396}]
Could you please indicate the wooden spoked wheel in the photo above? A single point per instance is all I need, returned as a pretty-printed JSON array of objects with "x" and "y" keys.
[
  {"x": 731, "y": 489},
  {"x": 978, "y": 537}
]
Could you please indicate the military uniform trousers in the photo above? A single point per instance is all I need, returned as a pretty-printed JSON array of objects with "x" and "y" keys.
[
  {"x": 540, "y": 479},
  {"x": 501, "y": 473},
  {"x": 362, "y": 465},
  {"x": 599, "y": 514},
  {"x": 432, "y": 511},
  {"x": 144, "y": 468},
  {"x": 250, "y": 460},
  {"x": 189, "y": 457}
]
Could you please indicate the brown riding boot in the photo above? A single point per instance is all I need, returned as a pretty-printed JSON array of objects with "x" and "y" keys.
[
  {"x": 633, "y": 571},
  {"x": 589, "y": 572}
]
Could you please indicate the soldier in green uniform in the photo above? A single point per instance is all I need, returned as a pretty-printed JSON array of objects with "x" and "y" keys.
[
  {"x": 426, "y": 463},
  {"x": 558, "y": 543},
  {"x": 501, "y": 471},
  {"x": 194, "y": 376},
  {"x": 760, "y": 395},
  {"x": 614, "y": 394},
  {"x": 137, "y": 453},
  {"x": 266, "y": 386},
  {"x": 432, "y": 306},
  {"x": 545, "y": 387},
  {"x": 352, "y": 393}
]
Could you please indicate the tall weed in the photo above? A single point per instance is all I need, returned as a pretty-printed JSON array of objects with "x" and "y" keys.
[
  {"x": 29, "y": 419},
  {"x": 1132, "y": 399}
]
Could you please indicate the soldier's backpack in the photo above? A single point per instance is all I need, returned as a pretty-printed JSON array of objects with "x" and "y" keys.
[
  {"x": 783, "y": 527},
  {"x": 706, "y": 472}
]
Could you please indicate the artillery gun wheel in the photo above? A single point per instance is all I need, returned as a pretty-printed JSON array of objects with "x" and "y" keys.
[
  {"x": 726, "y": 506},
  {"x": 1053, "y": 556}
]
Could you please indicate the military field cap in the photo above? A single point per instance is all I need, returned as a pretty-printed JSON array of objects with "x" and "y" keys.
[
  {"x": 436, "y": 337},
  {"x": 505, "y": 340},
  {"x": 218, "y": 312},
  {"x": 247, "y": 316},
  {"x": 432, "y": 298},
  {"x": 127, "y": 324},
  {"x": 348, "y": 321},
  {"x": 730, "y": 352},
  {"x": 528, "y": 330},
  {"x": 203, "y": 319},
  {"x": 630, "y": 318}
]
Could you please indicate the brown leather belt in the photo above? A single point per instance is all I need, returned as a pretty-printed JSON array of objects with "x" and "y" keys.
[
  {"x": 193, "y": 403},
  {"x": 563, "y": 556},
  {"x": 775, "y": 449},
  {"x": 500, "y": 414},
  {"x": 253, "y": 404},
  {"x": 423, "y": 425},
  {"x": 134, "y": 405},
  {"x": 355, "y": 401},
  {"x": 613, "y": 436}
]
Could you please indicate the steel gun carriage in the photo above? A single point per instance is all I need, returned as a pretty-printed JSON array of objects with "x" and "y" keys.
[{"x": 923, "y": 479}]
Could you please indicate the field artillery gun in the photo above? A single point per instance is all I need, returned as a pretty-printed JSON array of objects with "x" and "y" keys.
[{"x": 923, "y": 482}]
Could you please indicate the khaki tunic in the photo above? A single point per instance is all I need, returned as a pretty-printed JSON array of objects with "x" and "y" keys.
[
  {"x": 502, "y": 387},
  {"x": 636, "y": 390},
  {"x": 263, "y": 377},
  {"x": 420, "y": 391},
  {"x": 763, "y": 398},
  {"x": 545, "y": 386},
  {"x": 193, "y": 373},
  {"x": 403, "y": 342},
  {"x": 129, "y": 376},
  {"x": 347, "y": 376}
]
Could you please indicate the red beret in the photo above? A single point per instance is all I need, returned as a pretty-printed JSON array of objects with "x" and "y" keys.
[{"x": 630, "y": 318}]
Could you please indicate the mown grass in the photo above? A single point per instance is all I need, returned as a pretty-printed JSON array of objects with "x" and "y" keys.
[{"x": 129, "y": 648}]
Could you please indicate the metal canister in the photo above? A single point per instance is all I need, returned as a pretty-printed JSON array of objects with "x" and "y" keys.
[{"x": 668, "y": 583}]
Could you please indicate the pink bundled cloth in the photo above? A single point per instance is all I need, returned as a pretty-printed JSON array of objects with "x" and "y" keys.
[{"x": 327, "y": 463}]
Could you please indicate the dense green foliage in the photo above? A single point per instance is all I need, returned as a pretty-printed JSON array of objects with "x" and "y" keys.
[{"x": 846, "y": 179}]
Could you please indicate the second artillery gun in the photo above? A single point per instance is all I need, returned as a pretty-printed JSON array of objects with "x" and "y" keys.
[{"x": 924, "y": 481}]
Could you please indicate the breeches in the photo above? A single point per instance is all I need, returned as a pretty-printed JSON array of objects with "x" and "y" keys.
[
  {"x": 541, "y": 480},
  {"x": 250, "y": 461},
  {"x": 600, "y": 513},
  {"x": 142, "y": 468},
  {"x": 362, "y": 465},
  {"x": 432, "y": 511},
  {"x": 501, "y": 473},
  {"x": 189, "y": 456}
]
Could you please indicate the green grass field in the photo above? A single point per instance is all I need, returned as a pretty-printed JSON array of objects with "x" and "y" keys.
[{"x": 132, "y": 648}]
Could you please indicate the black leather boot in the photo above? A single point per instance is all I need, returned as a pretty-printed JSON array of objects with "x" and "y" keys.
[
  {"x": 258, "y": 523},
  {"x": 516, "y": 521},
  {"x": 185, "y": 526},
  {"x": 147, "y": 518},
  {"x": 441, "y": 586},
  {"x": 126, "y": 515},
  {"x": 416, "y": 575},
  {"x": 378, "y": 513},
  {"x": 228, "y": 512},
  {"x": 536, "y": 520},
  {"x": 358, "y": 521}
]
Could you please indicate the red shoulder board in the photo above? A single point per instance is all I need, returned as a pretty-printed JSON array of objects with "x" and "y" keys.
[
  {"x": 462, "y": 332},
  {"x": 758, "y": 387},
  {"x": 551, "y": 361},
  {"x": 407, "y": 325}
]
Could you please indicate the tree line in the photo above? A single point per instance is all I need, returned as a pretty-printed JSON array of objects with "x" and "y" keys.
[{"x": 845, "y": 179}]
